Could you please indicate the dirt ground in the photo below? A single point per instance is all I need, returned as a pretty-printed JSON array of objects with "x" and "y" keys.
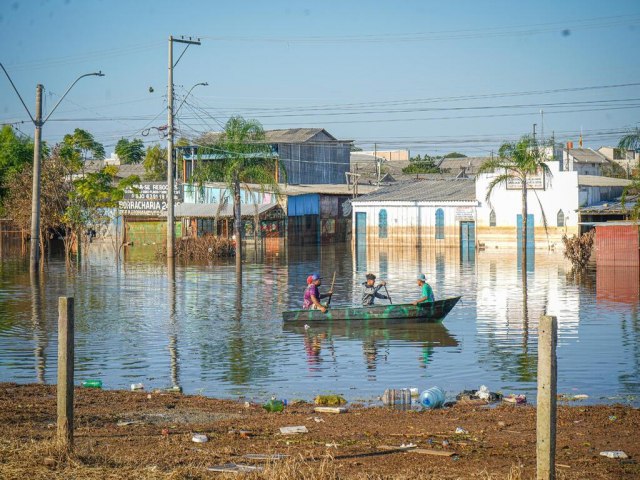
[{"x": 157, "y": 443}]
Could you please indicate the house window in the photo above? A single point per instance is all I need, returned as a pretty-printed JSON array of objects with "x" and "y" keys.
[
  {"x": 382, "y": 224},
  {"x": 560, "y": 218},
  {"x": 439, "y": 224},
  {"x": 492, "y": 218}
]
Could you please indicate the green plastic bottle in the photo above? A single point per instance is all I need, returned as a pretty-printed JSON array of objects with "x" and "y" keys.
[
  {"x": 274, "y": 405},
  {"x": 92, "y": 384}
]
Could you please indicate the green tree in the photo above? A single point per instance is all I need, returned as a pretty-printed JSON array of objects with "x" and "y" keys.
[
  {"x": 15, "y": 153},
  {"x": 631, "y": 141},
  {"x": 130, "y": 151},
  {"x": 455, "y": 155},
  {"x": 155, "y": 163},
  {"x": 419, "y": 165},
  {"x": 517, "y": 161},
  {"x": 632, "y": 192},
  {"x": 79, "y": 145},
  {"x": 245, "y": 158}
]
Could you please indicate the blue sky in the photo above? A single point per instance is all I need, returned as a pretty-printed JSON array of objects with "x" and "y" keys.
[{"x": 385, "y": 72}]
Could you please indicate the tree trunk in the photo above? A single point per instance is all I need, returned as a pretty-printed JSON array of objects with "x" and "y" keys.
[
  {"x": 237, "y": 226},
  {"x": 524, "y": 226}
]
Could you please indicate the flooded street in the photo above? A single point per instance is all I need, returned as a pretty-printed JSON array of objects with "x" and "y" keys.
[{"x": 211, "y": 337}]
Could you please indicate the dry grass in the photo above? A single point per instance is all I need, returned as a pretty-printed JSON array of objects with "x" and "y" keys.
[{"x": 207, "y": 247}]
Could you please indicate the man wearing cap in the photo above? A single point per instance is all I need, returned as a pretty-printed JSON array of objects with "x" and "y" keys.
[
  {"x": 427, "y": 291},
  {"x": 312, "y": 295},
  {"x": 370, "y": 291}
]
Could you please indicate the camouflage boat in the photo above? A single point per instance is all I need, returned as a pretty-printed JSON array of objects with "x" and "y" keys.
[{"x": 423, "y": 312}]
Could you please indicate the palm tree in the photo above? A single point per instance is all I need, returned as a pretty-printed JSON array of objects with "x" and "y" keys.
[
  {"x": 631, "y": 141},
  {"x": 517, "y": 162},
  {"x": 246, "y": 159}
]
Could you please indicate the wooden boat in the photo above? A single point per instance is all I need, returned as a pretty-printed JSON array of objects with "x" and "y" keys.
[{"x": 423, "y": 312}]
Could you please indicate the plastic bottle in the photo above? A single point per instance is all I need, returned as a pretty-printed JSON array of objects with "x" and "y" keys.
[
  {"x": 92, "y": 384},
  {"x": 432, "y": 397},
  {"x": 274, "y": 405},
  {"x": 137, "y": 386}
]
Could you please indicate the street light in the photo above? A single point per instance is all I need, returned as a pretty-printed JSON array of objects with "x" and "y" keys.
[
  {"x": 37, "y": 151},
  {"x": 204, "y": 84}
]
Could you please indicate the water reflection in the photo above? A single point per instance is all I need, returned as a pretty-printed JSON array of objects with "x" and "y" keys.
[{"x": 226, "y": 338}]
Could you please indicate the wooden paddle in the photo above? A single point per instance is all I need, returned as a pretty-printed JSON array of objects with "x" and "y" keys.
[
  {"x": 387, "y": 292},
  {"x": 333, "y": 282}
]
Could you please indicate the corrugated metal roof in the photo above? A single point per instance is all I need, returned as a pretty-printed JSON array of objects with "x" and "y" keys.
[
  {"x": 123, "y": 170},
  {"x": 614, "y": 207},
  {"x": 449, "y": 190},
  {"x": 208, "y": 210},
  {"x": 587, "y": 155},
  {"x": 286, "y": 135},
  {"x": 454, "y": 165},
  {"x": 598, "y": 181},
  {"x": 323, "y": 189}
]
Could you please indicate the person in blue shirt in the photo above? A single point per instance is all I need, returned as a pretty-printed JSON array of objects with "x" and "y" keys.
[{"x": 427, "y": 291}]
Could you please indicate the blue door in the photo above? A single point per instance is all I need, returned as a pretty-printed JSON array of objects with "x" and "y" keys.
[
  {"x": 468, "y": 241},
  {"x": 361, "y": 242},
  {"x": 530, "y": 241}
]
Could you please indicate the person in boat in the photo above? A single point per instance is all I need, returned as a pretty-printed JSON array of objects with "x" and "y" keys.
[
  {"x": 370, "y": 291},
  {"x": 426, "y": 290},
  {"x": 312, "y": 297}
]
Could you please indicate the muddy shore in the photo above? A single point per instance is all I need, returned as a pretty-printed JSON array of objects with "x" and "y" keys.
[{"x": 120, "y": 434}]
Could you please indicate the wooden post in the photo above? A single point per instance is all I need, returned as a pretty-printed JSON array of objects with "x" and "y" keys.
[
  {"x": 65, "y": 371},
  {"x": 547, "y": 387}
]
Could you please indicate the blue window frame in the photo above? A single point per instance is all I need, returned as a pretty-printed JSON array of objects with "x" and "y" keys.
[
  {"x": 382, "y": 224},
  {"x": 439, "y": 224}
]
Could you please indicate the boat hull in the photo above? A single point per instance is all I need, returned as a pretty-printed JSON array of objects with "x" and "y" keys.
[{"x": 423, "y": 312}]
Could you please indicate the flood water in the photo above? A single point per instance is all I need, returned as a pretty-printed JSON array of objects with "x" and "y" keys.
[{"x": 207, "y": 335}]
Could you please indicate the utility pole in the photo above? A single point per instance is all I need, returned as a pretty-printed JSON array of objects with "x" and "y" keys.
[
  {"x": 35, "y": 189},
  {"x": 534, "y": 133},
  {"x": 171, "y": 234},
  {"x": 38, "y": 122}
]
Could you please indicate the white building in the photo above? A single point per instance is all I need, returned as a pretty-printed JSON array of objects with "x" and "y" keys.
[{"x": 585, "y": 161}]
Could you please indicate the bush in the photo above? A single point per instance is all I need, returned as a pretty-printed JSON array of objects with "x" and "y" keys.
[{"x": 207, "y": 247}]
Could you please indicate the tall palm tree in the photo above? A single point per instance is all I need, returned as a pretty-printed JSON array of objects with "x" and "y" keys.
[
  {"x": 517, "y": 161},
  {"x": 246, "y": 159}
]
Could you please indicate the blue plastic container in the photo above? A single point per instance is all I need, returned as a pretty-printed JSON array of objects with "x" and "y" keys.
[{"x": 432, "y": 397}]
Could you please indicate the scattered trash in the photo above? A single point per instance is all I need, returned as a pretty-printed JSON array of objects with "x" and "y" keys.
[
  {"x": 612, "y": 418},
  {"x": 306, "y": 327},
  {"x": 502, "y": 424},
  {"x": 174, "y": 389},
  {"x": 445, "y": 443},
  {"x": 331, "y": 445},
  {"x": 199, "y": 438},
  {"x": 392, "y": 396},
  {"x": 413, "y": 449},
  {"x": 235, "y": 468},
  {"x": 241, "y": 433},
  {"x": 165, "y": 432},
  {"x": 455, "y": 458},
  {"x": 461, "y": 431},
  {"x": 265, "y": 456},
  {"x": 149, "y": 396},
  {"x": 432, "y": 397},
  {"x": 330, "y": 409},
  {"x": 483, "y": 393},
  {"x": 318, "y": 420},
  {"x": 125, "y": 423},
  {"x": 274, "y": 405},
  {"x": 330, "y": 400},
  {"x": 516, "y": 399},
  {"x": 614, "y": 454},
  {"x": 293, "y": 430},
  {"x": 137, "y": 386},
  {"x": 92, "y": 384},
  {"x": 247, "y": 405},
  {"x": 572, "y": 398},
  {"x": 414, "y": 392}
]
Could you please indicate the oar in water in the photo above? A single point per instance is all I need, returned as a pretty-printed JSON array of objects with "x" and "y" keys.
[
  {"x": 387, "y": 292},
  {"x": 333, "y": 282}
]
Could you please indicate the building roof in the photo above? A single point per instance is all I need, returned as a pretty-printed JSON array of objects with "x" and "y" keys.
[
  {"x": 123, "y": 170},
  {"x": 587, "y": 155},
  {"x": 610, "y": 207},
  {"x": 321, "y": 188},
  {"x": 209, "y": 210},
  {"x": 443, "y": 190},
  {"x": 598, "y": 181},
  {"x": 286, "y": 135}
]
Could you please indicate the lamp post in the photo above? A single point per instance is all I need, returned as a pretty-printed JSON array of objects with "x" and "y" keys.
[
  {"x": 204, "y": 84},
  {"x": 38, "y": 122}
]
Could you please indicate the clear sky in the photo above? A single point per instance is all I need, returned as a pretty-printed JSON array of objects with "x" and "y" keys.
[{"x": 432, "y": 76}]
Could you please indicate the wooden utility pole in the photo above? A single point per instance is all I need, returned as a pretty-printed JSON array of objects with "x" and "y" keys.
[
  {"x": 547, "y": 388},
  {"x": 35, "y": 198},
  {"x": 65, "y": 371}
]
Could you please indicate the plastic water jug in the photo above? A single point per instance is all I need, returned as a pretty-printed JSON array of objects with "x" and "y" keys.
[
  {"x": 274, "y": 405},
  {"x": 92, "y": 384},
  {"x": 432, "y": 397}
]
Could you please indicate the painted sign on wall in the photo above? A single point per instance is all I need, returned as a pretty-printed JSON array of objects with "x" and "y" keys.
[
  {"x": 536, "y": 182},
  {"x": 150, "y": 199}
]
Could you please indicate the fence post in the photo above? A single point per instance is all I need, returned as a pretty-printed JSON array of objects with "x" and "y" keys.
[
  {"x": 547, "y": 388},
  {"x": 65, "y": 371}
]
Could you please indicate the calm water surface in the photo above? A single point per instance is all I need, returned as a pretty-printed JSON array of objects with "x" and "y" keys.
[{"x": 209, "y": 336}]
